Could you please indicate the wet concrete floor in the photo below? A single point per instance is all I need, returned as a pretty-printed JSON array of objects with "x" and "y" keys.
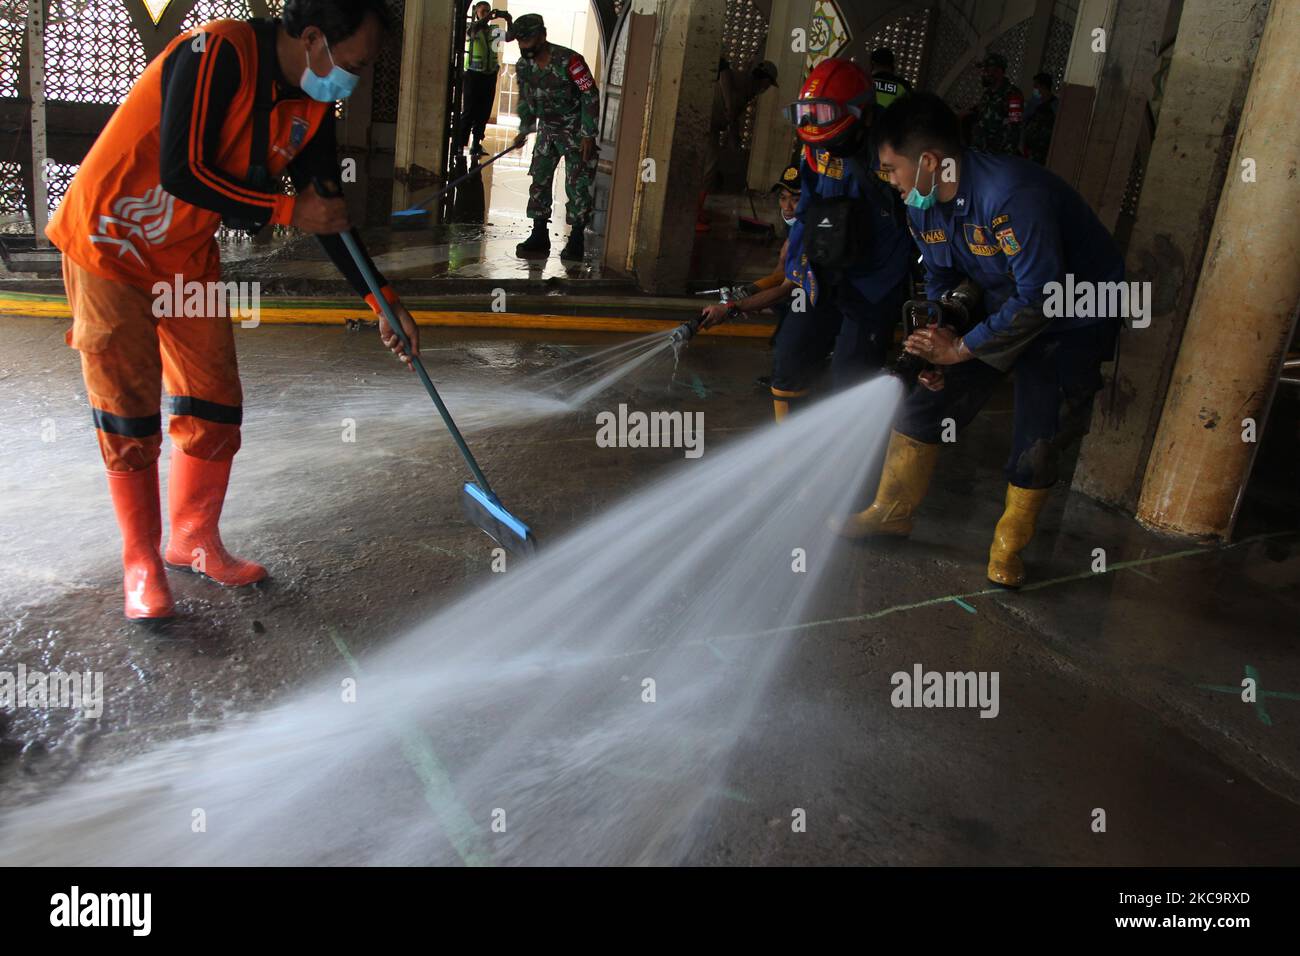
[{"x": 1119, "y": 691}]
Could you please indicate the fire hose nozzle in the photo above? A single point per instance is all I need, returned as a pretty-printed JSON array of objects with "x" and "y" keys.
[{"x": 684, "y": 332}]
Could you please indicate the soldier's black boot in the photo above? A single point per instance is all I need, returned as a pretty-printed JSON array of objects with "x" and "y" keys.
[
  {"x": 573, "y": 248},
  {"x": 538, "y": 242}
]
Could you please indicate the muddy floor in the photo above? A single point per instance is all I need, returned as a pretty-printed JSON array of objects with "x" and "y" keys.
[{"x": 1118, "y": 688}]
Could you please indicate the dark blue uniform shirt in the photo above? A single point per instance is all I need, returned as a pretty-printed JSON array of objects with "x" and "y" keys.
[
  {"x": 891, "y": 248},
  {"x": 1012, "y": 228}
]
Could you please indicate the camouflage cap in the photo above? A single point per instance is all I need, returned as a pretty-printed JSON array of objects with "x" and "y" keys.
[
  {"x": 994, "y": 60},
  {"x": 529, "y": 25}
]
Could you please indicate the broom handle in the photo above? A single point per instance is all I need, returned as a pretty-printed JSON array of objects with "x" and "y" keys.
[
  {"x": 456, "y": 182},
  {"x": 373, "y": 283}
]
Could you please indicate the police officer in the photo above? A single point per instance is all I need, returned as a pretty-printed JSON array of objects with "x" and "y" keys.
[
  {"x": 1016, "y": 231},
  {"x": 1000, "y": 110},
  {"x": 482, "y": 41},
  {"x": 557, "y": 96},
  {"x": 889, "y": 85},
  {"x": 849, "y": 250}
]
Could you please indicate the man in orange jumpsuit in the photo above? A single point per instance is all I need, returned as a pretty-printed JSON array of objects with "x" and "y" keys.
[{"x": 202, "y": 138}]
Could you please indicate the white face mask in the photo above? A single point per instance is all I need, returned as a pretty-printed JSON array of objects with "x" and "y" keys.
[{"x": 790, "y": 220}]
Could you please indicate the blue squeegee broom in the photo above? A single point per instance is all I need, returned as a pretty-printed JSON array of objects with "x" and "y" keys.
[{"x": 479, "y": 503}]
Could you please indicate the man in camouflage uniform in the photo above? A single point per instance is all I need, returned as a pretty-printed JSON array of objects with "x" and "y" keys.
[
  {"x": 1001, "y": 108},
  {"x": 557, "y": 96}
]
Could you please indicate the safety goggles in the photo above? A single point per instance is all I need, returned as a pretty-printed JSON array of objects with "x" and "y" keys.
[{"x": 820, "y": 112}]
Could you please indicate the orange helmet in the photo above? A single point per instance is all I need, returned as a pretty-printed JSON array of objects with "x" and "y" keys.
[{"x": 832, "y": 100}]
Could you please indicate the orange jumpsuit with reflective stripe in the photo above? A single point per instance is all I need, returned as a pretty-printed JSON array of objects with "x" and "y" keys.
[{"x": 139, "y": 219}]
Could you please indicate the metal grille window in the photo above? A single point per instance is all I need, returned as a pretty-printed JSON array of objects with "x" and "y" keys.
[
  {"x": 948, "y": 47},
  {"x": 93, "y": 53},
  {"x": 1060, "y": 33},
  {"x": 14, "y": 214},
  {"x": 388, "y": 69},
  {"x": 206, "y": 10},
  {"x": 1133, "y": 188},
  {"x": 13, "y": 25},
  {"x": 57, "y": 178},
  {"x": 906, "y": 37},
  {"x": 744, "y": 37},
  {"x": 966, "y": 90}
]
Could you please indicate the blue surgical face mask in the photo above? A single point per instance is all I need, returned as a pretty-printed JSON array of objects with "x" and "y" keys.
[
  {"x": 338, "y": 84},
  {"x": 917, "y": 201}
]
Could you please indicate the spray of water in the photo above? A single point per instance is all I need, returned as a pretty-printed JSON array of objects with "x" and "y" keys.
[
  {"x": 578, "y": 381},
  {"x": 586, "y": 703}
]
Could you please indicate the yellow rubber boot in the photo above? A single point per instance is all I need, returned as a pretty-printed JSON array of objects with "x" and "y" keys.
[
  {"x": 1013, "y": 533},
  {"x": 783, "y": 400},
  {"x": 909, "y": 464}
]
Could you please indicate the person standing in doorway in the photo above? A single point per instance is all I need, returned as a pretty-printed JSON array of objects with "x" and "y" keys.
[
  {"x": 557, "y": 98},
  {"x": 731, "y": 98},
  {"x": 479, "y": 80}
]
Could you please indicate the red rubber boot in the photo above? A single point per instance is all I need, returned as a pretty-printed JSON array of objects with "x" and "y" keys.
[
  {"x": 139, "y": 516},
  {"x": 195, "y": 494}
]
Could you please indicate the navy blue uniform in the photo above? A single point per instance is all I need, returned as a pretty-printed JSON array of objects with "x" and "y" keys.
[
  {"x": 1014, "y": 228},
  {"x": 853, "y": 311}
]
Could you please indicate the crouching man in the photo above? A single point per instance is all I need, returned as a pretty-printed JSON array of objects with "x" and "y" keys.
[{"x": 1013, "y": 229}]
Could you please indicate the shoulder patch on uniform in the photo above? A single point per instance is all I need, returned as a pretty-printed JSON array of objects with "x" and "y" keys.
[
  {"x": 1007, "y": 240},
  {"x": 579, "y": 73},
  {"x": 828, "y": 165},
  {"x": 1015, "y": 106},
  {"x": 999, "y": 220},
  {"x": 977, "y": 240}
]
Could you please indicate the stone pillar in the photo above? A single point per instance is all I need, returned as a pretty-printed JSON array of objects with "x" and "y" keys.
[
  {"x": 1077, "y": 93},
  {"x": 422, "y": 104},
  {"x": 1035, "y": 45},
  {"x": 682, "y": 80},
  {"x": 1203, "y": 96},
  {"x": 1244, "y": 312},
  {"x": 36, "y": 10}
]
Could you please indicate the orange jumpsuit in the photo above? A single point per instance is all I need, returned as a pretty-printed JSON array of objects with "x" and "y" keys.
[{"x": 170, "y": 166}]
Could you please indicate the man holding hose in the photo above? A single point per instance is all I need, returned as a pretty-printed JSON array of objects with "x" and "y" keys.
[{"x": 202, "y": 139}]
